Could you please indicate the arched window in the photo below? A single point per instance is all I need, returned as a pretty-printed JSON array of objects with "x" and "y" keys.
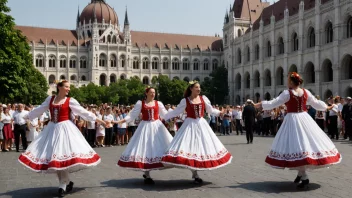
[
  {"x": 215, "y": 64},
  {"x": 239, "y": 33},
  {"x": 109, "y": 38},
  {"x": 268, "y": 48},
  {"x": 112, "y": 60},
  {"x": 185, "y": 64},
  {"x": 155, "y": 63},
  {"x": 267, "y": 78},
  {"x": 186, "y": 79},
  {"x": 196, "y": 65},
  {"x": 73, "y": 78},
  {"x": 349, "y": 27},
  {"x": 135, "y": 63},
  {"x": 73, "y": 62},
  {"x": 311, "y": 37},
  {"x": 145, "y": 80},
  {"x": 52, "y": 61},
  {"x": 281, "y": 46},
  {"x": 39, "y": 61},
  {"x": 239, "y": 56},
  {"x": 206, "y": 65},
  {"x": 165, "y": 63},
  {"x": 175, "y": 64},
  {"x": 102, "y": 60},
  {"x": 123, "y": 60},
  {"x": 295, "y": 42},
  {"x": 248, "y": 54},
  {"x": 123, "y": 77},
  {"x": 62, "y": 77},
  {"x": 83, "y": 78},
  {"x": 329, "y": 32},
  {"x": 257, "y": 52},
  {"x": 145, "y": 63},
  {"x": 114, "y": 39},
  {"x": 112, "y": 78},
  {"x": 51, "y": 79},
  {"x": 102, "y": 80},
  {"x": 83, "y": 62},
  {"x": 62, "y": 61}
]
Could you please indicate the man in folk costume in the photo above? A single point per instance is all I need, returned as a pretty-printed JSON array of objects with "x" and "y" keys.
[
  {"x": 300, "y": 143},
  {"x": 60, "y": 148}
]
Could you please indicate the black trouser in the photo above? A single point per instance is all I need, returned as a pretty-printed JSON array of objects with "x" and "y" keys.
[
  {"x": 20, "y": 130},
  {"x": 333, "y": 127},
  {"x": 91, "y": 136},
  {"x": 348, "y": 128},
  {"x": 320, "y": 123},
  {"x": 249, "y": 132},
  {"x": 259, "y": 126},
  {"x": 213, "y": 126},
  {"x": 226, "y": 130},
  {"x": 108, "y": 136},
  {"x": 273, "y": 127},
  {"x": 266, "y": 127},
  {"x": 238, "y": 126},
  {"x": 132, "y": 129},
  {"x": 230, "y": 128}
]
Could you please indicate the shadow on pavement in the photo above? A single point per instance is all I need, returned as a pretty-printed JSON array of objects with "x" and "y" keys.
[
  {"x": 43, "y": 192},
  {"x": 160, "y": 185},
  {"x": 274, "y": 187}
]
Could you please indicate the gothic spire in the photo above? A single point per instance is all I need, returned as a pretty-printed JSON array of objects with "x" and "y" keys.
[
  {"x": 126, "y": 18},
  {"x": 78, "y": 17}
]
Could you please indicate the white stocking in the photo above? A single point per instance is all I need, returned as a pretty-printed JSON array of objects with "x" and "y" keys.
[
  {"x": 194, "y": 174},
  {"x": 64, "y": 178}
]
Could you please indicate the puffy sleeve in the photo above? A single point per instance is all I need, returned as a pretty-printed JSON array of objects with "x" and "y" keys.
[
  {"x": 209, "y": 108},
  {"x": 77, "y": 109},
  {"x": 315, "y": 103},
  {"x": 37, "y": 112},
  {"x": 280, "y": 100},
  {"x": 177, "y": 111},
  {"x": 135, "y": 112},
  {"x": 162, "y": 110}
]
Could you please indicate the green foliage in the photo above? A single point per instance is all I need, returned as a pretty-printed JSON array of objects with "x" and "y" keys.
[
  {"x": 19, "y": 80},
  {"x": 170, "y": 91},
  {"x": 216, "y": 88}
]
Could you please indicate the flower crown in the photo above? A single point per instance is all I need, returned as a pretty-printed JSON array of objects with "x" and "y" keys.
[
  {"x": 192, "y": 82},
  {"x": 60, "y": 81}
]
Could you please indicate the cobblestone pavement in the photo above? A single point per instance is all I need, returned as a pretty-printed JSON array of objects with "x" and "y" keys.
[{"x": 246, "y": 176}]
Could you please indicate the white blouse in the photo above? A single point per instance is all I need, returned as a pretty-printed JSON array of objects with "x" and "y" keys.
[
  {"x": 135, "y": 112},
  {"x": 6, "y": 119},
  {"x": 76, "y": 108},
  {"x": 183, "y": 104},
  {"x": 285, "y": 97}
]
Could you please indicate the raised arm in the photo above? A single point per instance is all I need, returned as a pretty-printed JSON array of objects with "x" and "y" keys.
[
  {"x": 77, "y": 109},
  {"x": 162, "y": 110},
  {"x": 315, "y": 103},
  {"x": 134, "y": 113},
  {"x": 210, "y": 108},
  {"x": 282, "y": 99},
  {"x": 35, "y": 113},
  {"x": 177, "y": 111}
]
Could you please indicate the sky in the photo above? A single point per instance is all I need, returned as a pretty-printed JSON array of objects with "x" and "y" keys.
[{"x": 200, "y": 17}]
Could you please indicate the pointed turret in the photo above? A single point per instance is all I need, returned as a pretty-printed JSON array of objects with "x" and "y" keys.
[
  {"x": 126, "y": 18},
  {"x": 78, "y": 17},
  {"x": 126, "y": 29}
]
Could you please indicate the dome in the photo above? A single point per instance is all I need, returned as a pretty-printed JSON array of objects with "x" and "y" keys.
[{"x": 101, "y": 10}]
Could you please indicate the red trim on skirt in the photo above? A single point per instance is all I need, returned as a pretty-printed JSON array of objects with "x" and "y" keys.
[
  {"x": 58, "y": 164},
  {"x": 303, "y": 162}
]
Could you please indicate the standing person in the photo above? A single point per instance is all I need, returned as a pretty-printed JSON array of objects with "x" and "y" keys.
[
  {"x": 100, "y": 129},
  {"x": 347, "y": 117},
  {"x": 32, "y": 133},
  {"x": 238, "y": 117},
  {"x": 195, "y": 145},
  {"x": 20, "y": 124},
  {"x": 7, "y": 132},
  {"x": 122, "y": 128},
  {"x": 248, "y": 116},
  {"x": 151, "y": 139},
  {"x": 333, "y": 112},
  {"x": 91, "y": 130},
  {"x": 300, "y": 144},
  {"x": 60, "y": 148},
  {"x": 108, "y": 118},
  {"x": 266, "y": 122}
]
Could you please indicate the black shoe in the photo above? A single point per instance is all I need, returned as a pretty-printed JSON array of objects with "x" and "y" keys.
[
  {"x": 198, "y": 181},
  {"x": 61, "y": 192},
  {"x": 149, "y": 181},
  {"x": 251, "y": 142},
  {"x": 69, "y": 187},
  {"x": 304, "y": 184},
  {"x": 247, "y": 142},
  {"x": 17, "y": 151},
  {"x": 298, "y": 179}
]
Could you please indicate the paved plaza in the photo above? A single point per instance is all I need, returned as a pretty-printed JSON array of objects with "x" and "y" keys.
[{"x": 246, "y": 176}]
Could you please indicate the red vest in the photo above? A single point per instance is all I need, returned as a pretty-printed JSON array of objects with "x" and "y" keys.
[
  {"x": 150, "y": 113},
  {"x": 195, "y": 110},
  {"x": 297, "y": 104},
  {"x": 60, "y": 113}
]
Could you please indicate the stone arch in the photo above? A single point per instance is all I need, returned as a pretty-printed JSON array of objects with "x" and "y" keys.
[
  {"x": 113, "y": 78},
  {"x": 293, "y": 68},
  {"x": 309, "y": 72},
  {"x": 83, "y": 78},
  {"x": 73, "y": 77},
  {"x": 247, "y": 82},
  {"x": 346, "y": 67},
  {"x": 279, "y": 76},
  {"x": 327, "y": 94},
  {"x": 102, "y": 80},
  {"x": 267, "y": 76},
  {"x": 256, "y": 79},
  {"x": 186, "y": 79},
  {"x": 326, "y": 71},
  {"x": 102, "y": 60},
  {"x": 197, "y": 79},
  {"x": 311, "y": 37},
  {"x": 238, "y": 81},
  {"x": 145, "y": 80},
  {"x": 62, "y": 77},
  {"x": 267, "y": 96},
  {"x": 256, "y": 97},
  {"x": 123, "y": 77},
  {"x": 51, "y": 79},
  {"x": 175, "y": 78}
]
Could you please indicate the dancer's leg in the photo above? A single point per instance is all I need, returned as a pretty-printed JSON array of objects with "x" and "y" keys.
[{"x": 196, "y": 177}]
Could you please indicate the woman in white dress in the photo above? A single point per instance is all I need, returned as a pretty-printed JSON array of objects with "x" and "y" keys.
[
  {"x": 60, "y": 148},
  {"x": 150, "y": 140},
  {"x": 300, "y": 144},
  {"x": 33, "y": 127},
  {"x": 195, "y": 145}
]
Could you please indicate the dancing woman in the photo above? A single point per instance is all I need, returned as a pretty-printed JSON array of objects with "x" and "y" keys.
[
  {"x": 150, "y": 140},
  {"x": 195, "y": 145},
  {"x": 300, "y": 144},
  {"x": 60, "y": 148}
]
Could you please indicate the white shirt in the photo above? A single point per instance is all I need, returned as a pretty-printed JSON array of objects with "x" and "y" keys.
[
  {"x": 334, "y": 110},
  {"x": 123, "y": 125},
  {"x": 6, "y": 119},
  {"x": 339, "y": 107},
  {"x": 238, "y": 116},
  {"x": 20, "y": 117},
  {"x": 91, "y": 125}
]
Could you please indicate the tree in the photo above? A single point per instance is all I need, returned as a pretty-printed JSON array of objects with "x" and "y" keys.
[
  {"x": 171, "y": 91},
  {"x": 136, "y": 90},
  {"x": 17, "y": 82},
  {"x": 216, "y": 87}
]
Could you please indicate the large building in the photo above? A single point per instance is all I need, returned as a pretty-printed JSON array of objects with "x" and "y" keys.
[
  {"x": 263, "y": 42},
  {"x": 99, "y": 51}
]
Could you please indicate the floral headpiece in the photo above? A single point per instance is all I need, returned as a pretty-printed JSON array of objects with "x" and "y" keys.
[
  {"x": 295, "y": 75},
  {"x": 192, "y": 82},
  {"x": 148, "y": 87},
  {"x": 60, "y": 81}
]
